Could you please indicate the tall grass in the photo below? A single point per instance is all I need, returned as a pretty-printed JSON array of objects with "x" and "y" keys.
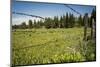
[{"x": 43, "y": 46}]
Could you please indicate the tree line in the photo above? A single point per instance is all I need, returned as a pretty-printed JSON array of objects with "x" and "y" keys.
[{"x": 65, "y": 21}]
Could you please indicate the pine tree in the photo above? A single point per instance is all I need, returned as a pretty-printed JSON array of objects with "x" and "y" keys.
[
  {"x": 80, "y": 21},
  {"x": 23, "y": 25},
  {"x": 66, "y": 20},
  {"x": 30, "y": 24}
]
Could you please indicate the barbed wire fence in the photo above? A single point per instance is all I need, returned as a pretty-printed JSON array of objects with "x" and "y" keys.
[{"x": 75, "y": 11}]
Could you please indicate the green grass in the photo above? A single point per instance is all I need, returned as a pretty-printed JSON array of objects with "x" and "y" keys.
[{"x": 42, "y": 46}]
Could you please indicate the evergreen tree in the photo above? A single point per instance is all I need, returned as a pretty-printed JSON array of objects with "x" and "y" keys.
[
  {"x": 23, "y": 25},
  {"x": 61, "y": 22},
  {"x": 34, "y": 25},
  {"x": 80, "y": 21},
  {"x": 55, "y": 21},
  {"x": 48, "y": 23},
  {"x": 66, "y": 21},
  {"x": 30, "y": 24}
]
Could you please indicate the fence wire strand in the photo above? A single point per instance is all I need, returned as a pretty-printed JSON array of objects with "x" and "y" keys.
[
  {"x": 27, "y": 15},
  {"x": 72, "y": 9}
]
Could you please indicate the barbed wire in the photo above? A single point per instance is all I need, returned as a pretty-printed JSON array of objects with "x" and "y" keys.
[
  {"x": 72, "y": 9},
  {"x": 27, "y": 15},
  {"x": 37, "y": 45},
  {"x": 42, "y": 17}
]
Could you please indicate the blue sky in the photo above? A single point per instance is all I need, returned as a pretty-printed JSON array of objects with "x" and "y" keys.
[{"x": 44, "y": 10}]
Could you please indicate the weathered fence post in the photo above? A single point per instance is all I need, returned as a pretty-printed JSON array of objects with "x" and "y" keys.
[
  {"x": 93, "y": 29},
  {"x": 85, "y": 26}
]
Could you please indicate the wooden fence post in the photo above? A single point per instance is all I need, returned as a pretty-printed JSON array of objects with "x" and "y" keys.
[
  {"x": 85, "y": 26},
  {"x": 93, "y": 29}
]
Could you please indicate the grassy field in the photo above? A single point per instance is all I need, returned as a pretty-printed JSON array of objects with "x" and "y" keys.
[{"x": 43, "y": 46}]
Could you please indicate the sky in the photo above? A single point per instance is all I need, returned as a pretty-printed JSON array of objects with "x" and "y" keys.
[{"x": 44, "y": 10}]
